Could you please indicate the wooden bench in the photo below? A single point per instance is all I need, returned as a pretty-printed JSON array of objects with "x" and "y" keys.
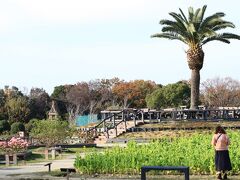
[
  {"x": 183, "y": 169},
  {"x": 68, "y": 170},
  {"x": 49, "y": 166}
]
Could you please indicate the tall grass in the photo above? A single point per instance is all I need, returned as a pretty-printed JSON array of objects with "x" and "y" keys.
[{"x": 194, "y": 151}]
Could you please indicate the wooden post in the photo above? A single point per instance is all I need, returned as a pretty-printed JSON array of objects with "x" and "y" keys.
[
  {"x": 53, "y": 153},
  {"x": 116, "y": 131},
  {"x": 46, "y": 153},
  {"x": 95, "y": 132},
  {"x": 134, "y": 120},
  {"x": 104, "y": 126},
  {"x": 174, "y": 115},
  {"x": 142, "y": 116},
  {"x": 7, "y": 161},
  {"x": 114, "y": 120},
  {"x": 204, "y": 115},
  {"x": 15, "y": 158},
  {"x": 67, "y": 174},
  {"x": 124, "y": 120},
  {"x": 107, "y": 133}
]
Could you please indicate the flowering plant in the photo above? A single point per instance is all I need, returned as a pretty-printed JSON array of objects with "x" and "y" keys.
[{"x": 13, "y": 146}]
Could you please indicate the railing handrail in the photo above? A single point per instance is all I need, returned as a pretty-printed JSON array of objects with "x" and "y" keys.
[{"x": 104, "y": 120}]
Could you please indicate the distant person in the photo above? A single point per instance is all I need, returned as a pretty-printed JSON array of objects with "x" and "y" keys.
[{"x": 221, "y": 141}]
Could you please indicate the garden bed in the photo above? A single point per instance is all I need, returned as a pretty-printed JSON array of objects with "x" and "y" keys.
[{"x": 193, "y": 150}]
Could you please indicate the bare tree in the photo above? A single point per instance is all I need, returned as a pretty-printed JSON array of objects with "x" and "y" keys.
[
  {"x": 78, "y": 98},
  {"x": 101, "y": 93},
  {"x": 221, "y": 92}
]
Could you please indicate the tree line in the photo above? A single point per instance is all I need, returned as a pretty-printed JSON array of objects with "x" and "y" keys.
[{"x": 91, "y": 97}]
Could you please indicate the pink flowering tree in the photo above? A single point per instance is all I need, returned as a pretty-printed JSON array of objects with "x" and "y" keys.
[
  {"x": 14, "y": 145},
  {"x": 11, "y": 147}
]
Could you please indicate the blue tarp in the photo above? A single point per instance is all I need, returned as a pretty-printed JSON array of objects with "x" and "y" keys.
[{"x": 87, "y": 119}]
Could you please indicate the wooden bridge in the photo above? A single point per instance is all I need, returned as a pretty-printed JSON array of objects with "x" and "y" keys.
[{"x": 114, "y": 123}]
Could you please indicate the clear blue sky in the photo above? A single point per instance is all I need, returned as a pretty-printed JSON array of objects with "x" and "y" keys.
[{"x": 46, "y": 43}]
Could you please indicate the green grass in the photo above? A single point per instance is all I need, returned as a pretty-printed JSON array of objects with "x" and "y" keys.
[
  {"x": 84, "y": 150},
  {"x": 39, "y": 156},
  {"x": 34, "y": 157}
]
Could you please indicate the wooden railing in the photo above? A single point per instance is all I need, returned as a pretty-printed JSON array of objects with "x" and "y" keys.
[
  {"x": 207, "y": 114},
  {"x": 112, "y": 121},
  {"x": 106, "y": 124}
]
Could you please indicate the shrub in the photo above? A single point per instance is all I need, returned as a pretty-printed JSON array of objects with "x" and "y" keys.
[
  {"x": 30, "y": 124},
  {"x": 4, "y": 126},
  {"x": 16, "y": 127}
]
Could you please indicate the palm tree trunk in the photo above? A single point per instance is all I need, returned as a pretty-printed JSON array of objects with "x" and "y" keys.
[{"x": 195, "y": 81}]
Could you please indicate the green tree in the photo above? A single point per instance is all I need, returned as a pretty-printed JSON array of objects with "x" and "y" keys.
[
  {"x": 16, "y": 127},
  {"x": 39, "y": 103},
  {"x": 171, "y": 95},
  {"x": 4, "y": 126},
  {"x": 3, "y": 114},
  {"x": 59, "y": 92},
  {"x": 18, "y": 109},
  {"x": 12, "y": 92},
  {"x": 50, "y": 133},
  {"x": 59, "y": 96},
  {"x": 30, "y": 125},
  {"x": 195, "y": 31}
]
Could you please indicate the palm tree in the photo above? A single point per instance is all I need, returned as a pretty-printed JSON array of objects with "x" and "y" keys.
[{"x": 195, "y": 32}]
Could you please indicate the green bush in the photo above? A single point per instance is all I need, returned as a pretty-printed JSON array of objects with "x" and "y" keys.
[
  {"x": 4, "y": 126},
  {"x": 16, "y": 127},
  {"x": 30, "y": 124}
]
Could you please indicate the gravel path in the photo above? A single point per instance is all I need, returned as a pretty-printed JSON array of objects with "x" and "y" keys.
[
  {"x": 36, "y": 167},
  {"x": 32, "y": 172}
]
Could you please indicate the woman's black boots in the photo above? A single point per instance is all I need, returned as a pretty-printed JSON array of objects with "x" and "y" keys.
[{"x": 219, "y": 175}]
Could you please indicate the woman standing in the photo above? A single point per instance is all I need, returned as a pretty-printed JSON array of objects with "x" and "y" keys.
[{"x": 220, "y": 141}]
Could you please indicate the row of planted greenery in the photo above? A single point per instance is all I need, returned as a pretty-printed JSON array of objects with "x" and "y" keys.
[{"x": 194, "y": 151}]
